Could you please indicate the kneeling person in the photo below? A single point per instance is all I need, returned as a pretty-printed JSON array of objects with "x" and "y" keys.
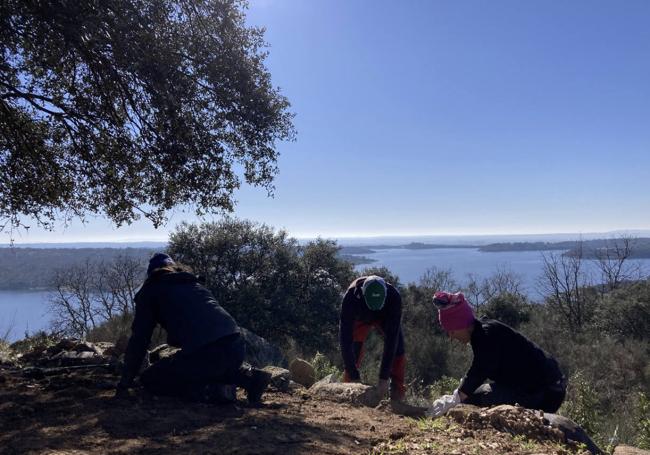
[
  {"x": 370, "y": 303},
  {"x": 520, "y": 370},
  {"x": 212, "y": 350}
]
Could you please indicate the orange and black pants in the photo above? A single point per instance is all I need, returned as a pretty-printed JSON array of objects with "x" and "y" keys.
[{"x": 398, "y": 368}]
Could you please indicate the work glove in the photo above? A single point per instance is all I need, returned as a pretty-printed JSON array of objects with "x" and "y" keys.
[{"x": 443, "y": 404}]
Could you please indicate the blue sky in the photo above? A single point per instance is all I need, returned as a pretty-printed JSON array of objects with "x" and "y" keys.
[{"x": 450, "y": 117}]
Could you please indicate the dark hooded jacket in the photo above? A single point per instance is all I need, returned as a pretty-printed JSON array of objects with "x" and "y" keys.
[
  {"x": 185, "y": 308},
  {"x": 354, "y": 309}
]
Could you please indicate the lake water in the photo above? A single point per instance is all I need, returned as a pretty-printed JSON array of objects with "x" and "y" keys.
[
  {"x": 410, "y": 265},
  {"x": 22, "y": 312},
  {"x": 27, "y": 311}
]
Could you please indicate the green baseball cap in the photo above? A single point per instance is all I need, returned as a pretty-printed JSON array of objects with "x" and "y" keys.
[{"x": 374, "y": 292}]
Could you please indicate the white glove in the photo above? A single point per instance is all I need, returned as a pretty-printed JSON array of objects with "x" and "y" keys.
[{"x": 443, "y": 404}]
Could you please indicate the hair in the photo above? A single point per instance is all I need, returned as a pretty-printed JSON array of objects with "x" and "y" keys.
[{"x": 172, "y": 268}]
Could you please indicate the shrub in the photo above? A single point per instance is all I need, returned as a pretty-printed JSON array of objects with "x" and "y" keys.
[
  {"x": 511, "y": 309},
  {"x": 271, "y": 285},
  {"x": 443, "y": 386},
  {"x": 87, "y": 295},
  {"x": 582, "y": 404},
  {"x": 39, "y": 340},
  {"x": 625, "y": 312},
  {"x": 373, "y": 349},
  {"x": 323, "y": 367},
  {"x": 6, "y": 353}
]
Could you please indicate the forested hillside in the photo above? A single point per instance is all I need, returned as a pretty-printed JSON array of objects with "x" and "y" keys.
[{"x": 33, "y": 268}]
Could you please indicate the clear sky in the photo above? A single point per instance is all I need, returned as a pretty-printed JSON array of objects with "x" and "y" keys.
[{"x": 450, "y": 117}]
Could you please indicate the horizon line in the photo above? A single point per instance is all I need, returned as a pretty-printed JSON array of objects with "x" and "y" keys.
[{"x": 348, "y": 236}]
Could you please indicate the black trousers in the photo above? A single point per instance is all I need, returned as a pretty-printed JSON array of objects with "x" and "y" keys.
[
  {"x": 185, "y": 375},
  {"x": 548, "y": 399}
]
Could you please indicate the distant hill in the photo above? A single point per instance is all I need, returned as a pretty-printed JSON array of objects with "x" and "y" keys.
[
  {"x": 528, "y": 246},
  {"x": 369, "y": 249},
  {"x": 32, "y": 268},
  {"x": 640, "y": 247}
]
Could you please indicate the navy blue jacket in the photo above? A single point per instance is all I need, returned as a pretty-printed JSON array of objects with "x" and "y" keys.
[
  {"x": 507, "y": 357},
  {"x": 184, "y": 308},
  {"x": 354, "y": 309}
]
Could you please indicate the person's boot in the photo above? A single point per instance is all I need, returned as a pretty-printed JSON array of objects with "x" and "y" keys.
[
  {"x": 215, "y": 393},
  {"x": 259, "y": 383},
  {"x": 254, "y": 381}
]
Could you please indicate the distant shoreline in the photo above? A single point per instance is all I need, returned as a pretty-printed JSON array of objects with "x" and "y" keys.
[
  {"x": 640, "y": 248},
  {"x": 29, "y": 269}
]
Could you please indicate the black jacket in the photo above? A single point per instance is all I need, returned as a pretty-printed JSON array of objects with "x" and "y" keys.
[
  {"x": 184, "y": 308},
  {"x": 507, "y": 357},
  {"x": 353, "y": 309}
]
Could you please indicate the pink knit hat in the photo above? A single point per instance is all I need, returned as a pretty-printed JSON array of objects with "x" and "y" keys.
[{"x": 454, "y": 312}]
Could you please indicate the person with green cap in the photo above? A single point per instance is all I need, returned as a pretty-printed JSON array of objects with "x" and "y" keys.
[{"x": 372, "y": 303}]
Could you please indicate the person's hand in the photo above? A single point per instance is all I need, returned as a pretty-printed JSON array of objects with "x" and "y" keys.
[
  {"x": 443, "y": 404},
  {"x": 382, "y": 388}
]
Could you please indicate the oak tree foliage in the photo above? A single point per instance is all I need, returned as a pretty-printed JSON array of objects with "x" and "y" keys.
[
  {"x": 273, "y": 285},
  {"x": 125, "y": 108}
]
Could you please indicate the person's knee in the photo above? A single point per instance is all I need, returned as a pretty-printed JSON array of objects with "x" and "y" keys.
[
  {"x": 552, "y": 401},
  {"x": 483, "y": 390},
  {"x": 492, "y": 394}
]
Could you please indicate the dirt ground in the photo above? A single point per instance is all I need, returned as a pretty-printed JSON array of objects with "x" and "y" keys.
[{"x": 76, "y": 413}]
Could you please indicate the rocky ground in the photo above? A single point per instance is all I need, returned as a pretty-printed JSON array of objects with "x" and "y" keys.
[{"x": 65, "y": 409}]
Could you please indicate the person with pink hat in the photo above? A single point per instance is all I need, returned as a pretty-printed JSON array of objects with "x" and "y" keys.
[{"x": 519, "y": 371}]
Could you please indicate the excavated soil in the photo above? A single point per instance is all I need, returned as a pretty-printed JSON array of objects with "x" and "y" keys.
[{"x": 75, "y": 413}]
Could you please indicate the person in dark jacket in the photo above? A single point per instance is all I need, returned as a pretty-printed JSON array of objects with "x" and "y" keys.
[
  {"x": 371, "y": 303},
  {"x": 212, "y": 350},
  {"x": 519, "y": 370}
]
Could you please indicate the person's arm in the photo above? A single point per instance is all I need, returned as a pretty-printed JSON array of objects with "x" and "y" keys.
[
  {"x": 141, "y": 330},
  {"x": 484, "y": 364},
  {"x": 391, "y": 328},
  {"x": 346, "y": 327}
]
